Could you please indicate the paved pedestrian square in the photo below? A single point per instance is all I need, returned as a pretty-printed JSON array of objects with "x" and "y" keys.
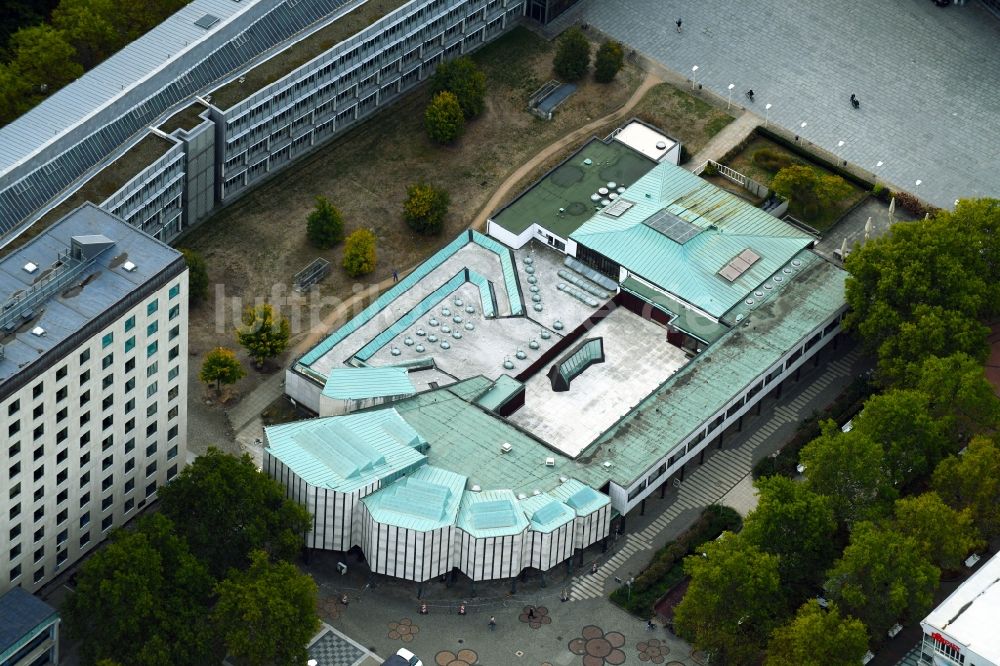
[{"x": 928, "y": 78}]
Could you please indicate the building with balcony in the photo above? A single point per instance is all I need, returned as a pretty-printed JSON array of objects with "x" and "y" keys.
[{"x": 93, "y": 388}]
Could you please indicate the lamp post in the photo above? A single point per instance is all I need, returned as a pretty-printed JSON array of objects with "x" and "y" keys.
[
  {"x": 730, "y": 102},
  {"x": 694, "y": 76},
  {"x": 767, "y": 112}
]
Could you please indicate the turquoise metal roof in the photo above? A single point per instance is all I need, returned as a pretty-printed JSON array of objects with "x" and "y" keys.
[
  {"x": 689, "y": 269},
  {"x": 579, "y": 497},
  {"x": 684, "y": 317},
  {"x": 367, "y": 382},
  {"x": 546, "y": 513},
  {"x": 491, "y": 513},
  {"x": 502, "y": 389},
  {"x": 590, "y": 351},
  {"x": 346, "y": 453},
  {"x": 425, "y": 500}
]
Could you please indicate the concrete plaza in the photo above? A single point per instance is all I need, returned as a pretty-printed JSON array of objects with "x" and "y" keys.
[{"x": 928, "y": 78}]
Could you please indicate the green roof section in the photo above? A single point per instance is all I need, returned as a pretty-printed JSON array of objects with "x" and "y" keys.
[
  {"x": 491, "y": 513},
  {"x": 500, "y": 392},
  {"x": 579, "y": 497},
  {"x": 368, "y": 382},
  {"x": 665, "y": 254},
  {"x": 701, "y": 388},
  {"x": 561, "y": 200},
  {"x": 466, "y": 438},
  {"x": 685, "y": 318},
  {"x": 545, "y": 513},
  {"x": 346, "y": 453},
  {"x": 427, "y": 499},
  {"x": 470, "y": 389}
]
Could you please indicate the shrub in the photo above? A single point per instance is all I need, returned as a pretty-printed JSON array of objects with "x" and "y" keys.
[
  {"x": 197, "y": 276},
  {"x": 325, "y": 224},
  {"x": 710, "y": 169},
  {"x": 913, "y": 205},
  {"x": 359, "y": 253},
  {"x": 443, "y": 118},
  {"x": 685, "y": 154},
  {"x": 608, "y": 61},
  {"x": 465, "y": 80},
  {"x": 425, "y": 208},
  {"x": 572, "y": 55},
  {"x": 772, "y": 160}
]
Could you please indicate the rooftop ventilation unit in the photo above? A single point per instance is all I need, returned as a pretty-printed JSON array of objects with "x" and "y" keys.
[
  {"x": 475, "y": 488},
  {"x": 536, "y": 492},
  {"x": 128, "y": 266},
  {"x": 522, "y": 496},
  {"x": 38, "y": 331},
  {"x": 563, "y": 479},
  {"x": 31, "y": 267},
  {"x": 550, "y": 462},
  {"x": 506, "y": 447},
  {"x": 607, "y": 464}
]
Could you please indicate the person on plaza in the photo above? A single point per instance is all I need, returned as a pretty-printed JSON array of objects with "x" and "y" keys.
[
  {"x": 855, "y": 102},
  {"x": 678, "y": 22},
  {"x": 395, "y": 275},
  {"x": 343, "y": 599},
  {"x": 650, "y": 625},
  {"x": 531, "y": 612},
  {"x": 493, "y": 623},
  {"x": 750, "y": 94}
]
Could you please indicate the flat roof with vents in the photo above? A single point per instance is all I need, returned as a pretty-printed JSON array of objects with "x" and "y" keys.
[{"x": 739, "y": 265}]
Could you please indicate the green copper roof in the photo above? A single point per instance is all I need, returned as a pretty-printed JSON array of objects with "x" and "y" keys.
[
  {"x": 491, "y": 513},
  {"x": 570, "y": 185},
  {"x": 504, "y": 387},
  {"x": 546, "y": 513},
  {"x": 579, "y": 359},
  {"x": 345, "y": 453},
  {"x": 669, "y": 197},
  {"x": 367, "y": 382},
  {"x": 579, "y": 497},
  {"x": 685, "y": 318},
  {"x": 425, "y": 500},
  {"x": 466, "y": 438},
  {"x": 698, "y": 390}
]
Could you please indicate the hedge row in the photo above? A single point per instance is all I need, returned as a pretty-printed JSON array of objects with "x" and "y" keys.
[{"x": 666, "y": 567}]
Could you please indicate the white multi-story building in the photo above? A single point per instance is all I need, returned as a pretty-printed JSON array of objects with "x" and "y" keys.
[
  {"x": 93, "y": 388},
  {"x": 962, "y": 630}
]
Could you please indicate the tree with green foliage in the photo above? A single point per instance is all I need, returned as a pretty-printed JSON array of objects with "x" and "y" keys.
[
  {"x": 849, "y": 469},
  {"x": 42, "y": 62},
  {"x": 921, "y": 270},
  {"x": 818, "y": 637},
  {"x": 90, "y": 27},
  {"x": 263, "y": 334},
  {"x": 463, "y": 78},
  {"x": 733, "y": 602},
  {"x": 972, "y": 481},
  {"x": 443, "y": 118},
  {"x": 267, "y": 614},
  {"x": 809, "y": 189},
  {"x": 960, "y": 397},
  {"x": 608, "y": 61},
  {"x": 142, "y": 600},
  {"x": 325, "y": 224},
  {"x": 359, "y": 253},
  {"x": 197, "y": 276},
  {"x": 225, "y": 507},
  {"x": 221, "y": 367},
  {"x": 932, "y": 330},
  {"x": 425, "y": 208},
  {"x": 882, "y": 578},
  {"x": 798, "y": 526},
  {"x": 899, "y": 420},
  {"x": 572, "y": 55},
  {"x": 945, "y": 536}
]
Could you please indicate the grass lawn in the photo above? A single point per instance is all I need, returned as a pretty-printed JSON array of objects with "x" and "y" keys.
[
  {"x": 743, "y": 162},
  {"x": 681, "y": 115}
]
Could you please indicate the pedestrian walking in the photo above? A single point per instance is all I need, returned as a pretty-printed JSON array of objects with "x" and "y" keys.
[
  {"x": 493, "y": 623},
  {"x": 593, "y": 567},
  {"x": 343, "y": 600},
  {"x": 678, "y": 22},
  {"x": 531, "y": 612},
  {"x": 649, "y": 625},
  {"x": 395, "y": 275},
  {"x": 749, "y": 94}
]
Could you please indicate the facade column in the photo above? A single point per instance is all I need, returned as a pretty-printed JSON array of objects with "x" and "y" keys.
[
  {"x": 642, "y": 507},
  {"x": 663, "y": 489}
]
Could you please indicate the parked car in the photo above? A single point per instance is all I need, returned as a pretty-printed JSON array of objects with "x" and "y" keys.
[{"x": 403, "y": 657}]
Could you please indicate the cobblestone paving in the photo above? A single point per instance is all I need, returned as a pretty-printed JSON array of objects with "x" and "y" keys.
[{"x": 928, "y": 78}]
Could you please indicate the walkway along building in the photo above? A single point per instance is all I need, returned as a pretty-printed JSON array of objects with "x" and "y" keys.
[
  {"x": 220, "y": 96},
  {"x": 93, "y": 388},
  {"x": 558, "y": 383}
]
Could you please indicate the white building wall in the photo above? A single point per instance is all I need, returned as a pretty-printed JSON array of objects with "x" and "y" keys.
[
  {"x": 591, "y": 528},
  {"x": 87, "y": 442},
  {"x": 302, "y": 390},
  {"x": 545, "y": 550}
]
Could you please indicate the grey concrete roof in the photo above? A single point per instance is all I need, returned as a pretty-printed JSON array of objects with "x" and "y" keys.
[
  {"x": 69, "y": 308},
  {"x": 101, "y": 85}
]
